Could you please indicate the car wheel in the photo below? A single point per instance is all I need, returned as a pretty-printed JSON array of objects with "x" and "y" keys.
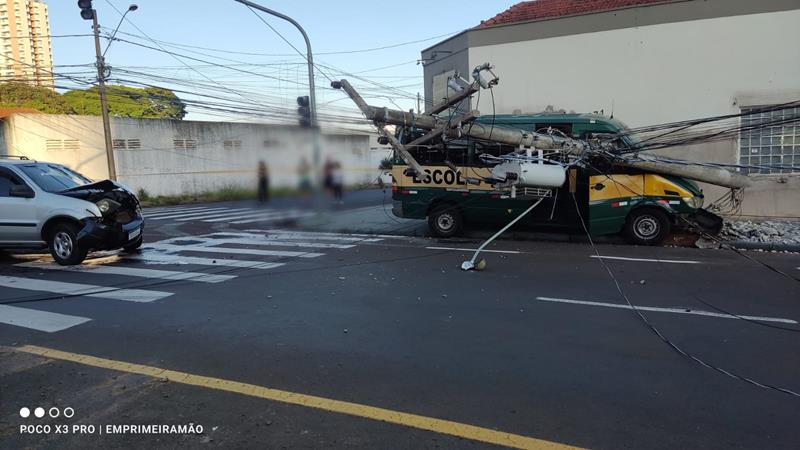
[
  {"x": 647, "y": 226},
  {"x": 133, "y": 246},
  {"x": 64, "y": 245},
  {"x": 445, "y": 221}
]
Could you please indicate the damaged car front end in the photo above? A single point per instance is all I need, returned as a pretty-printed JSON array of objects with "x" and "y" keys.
[{"x": 120, "y": 224}]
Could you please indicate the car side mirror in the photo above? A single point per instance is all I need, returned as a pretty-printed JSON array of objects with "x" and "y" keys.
[{"x": 22, "y": 190}]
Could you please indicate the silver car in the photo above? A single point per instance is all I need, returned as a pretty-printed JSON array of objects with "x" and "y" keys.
[{"x": 48, "y": 205}]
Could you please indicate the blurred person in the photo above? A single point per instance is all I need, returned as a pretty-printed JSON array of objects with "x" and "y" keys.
[
  {"x": 263, "y": 182},
  {"x": 304, "y": 173},
  {"x": 337, "y": 182},
  {"x": 327, "y": 174}
]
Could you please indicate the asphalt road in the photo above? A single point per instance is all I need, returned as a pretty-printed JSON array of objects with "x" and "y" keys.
[{"x": 270, "y": 337}]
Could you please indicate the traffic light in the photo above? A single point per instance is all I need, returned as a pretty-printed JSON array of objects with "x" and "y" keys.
[
  {"x": 304, "y": 110},
  {"x": 86, "y": 9}
]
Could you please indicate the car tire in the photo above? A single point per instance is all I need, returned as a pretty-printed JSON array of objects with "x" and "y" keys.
[
  {"x": 647, "y": 226},
  {"x": 134, "y": 246},
  {"x": 63, "y": 244},
  {"x": 445, "y": 220}
]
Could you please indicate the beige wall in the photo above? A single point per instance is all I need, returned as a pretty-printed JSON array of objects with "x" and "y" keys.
[
  {"x": 162, "y": 169},
  {"x": 663, "y": 73}
]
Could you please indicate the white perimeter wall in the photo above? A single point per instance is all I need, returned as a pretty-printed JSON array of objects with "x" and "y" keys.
[{"x": 162, "y": 169}]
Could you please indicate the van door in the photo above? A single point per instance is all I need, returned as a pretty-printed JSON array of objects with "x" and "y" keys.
[
  {"x": 19, "y": 223},
  {"x": 611, "y": 197}
]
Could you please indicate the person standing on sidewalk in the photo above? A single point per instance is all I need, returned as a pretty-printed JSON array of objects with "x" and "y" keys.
[
  {"x": 337, "y": 182},
  {"x": 263, "y": 182}
]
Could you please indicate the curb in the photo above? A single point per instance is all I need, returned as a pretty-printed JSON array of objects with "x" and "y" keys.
[{"x": 766, "y": 246}]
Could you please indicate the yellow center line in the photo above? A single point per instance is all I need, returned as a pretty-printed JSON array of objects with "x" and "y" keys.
[{"x": 435, "y": 425}]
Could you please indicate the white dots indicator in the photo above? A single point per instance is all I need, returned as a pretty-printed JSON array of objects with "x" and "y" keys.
[
  {"x": 69, "y": 412},
  {"x": 39, "y": 412},
  {"x": 24, "y": 413}
]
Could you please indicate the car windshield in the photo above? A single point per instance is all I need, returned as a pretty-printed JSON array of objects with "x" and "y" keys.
[{"x": 54, "y": 178}]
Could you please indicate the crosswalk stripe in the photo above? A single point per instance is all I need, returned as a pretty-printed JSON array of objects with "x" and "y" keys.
[
  {"x": 34, "y": 319},
  {"x": 131, "y": 272},
  {"x": 245, "y": 216},
  {"x": 322, "y": 234},
  {"x": 235, "y": 251},
  {"x": 170, "y": 212},
  {"x": 212, "y": 214},
  {"x": 165, "y": 258},
  {"x": 298, "y": 215},
  {"x": 291, "y": 235},
  {"x": 272, "y": 242},
  {"x": 191, "y": 214},
  {"x": 173, "y": 210},
  {"x": 59, "y": 287}
]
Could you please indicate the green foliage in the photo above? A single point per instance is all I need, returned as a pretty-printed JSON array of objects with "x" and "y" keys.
[
  {"x": 21, "y": 95},
  {"x": 124, "y": 101}
]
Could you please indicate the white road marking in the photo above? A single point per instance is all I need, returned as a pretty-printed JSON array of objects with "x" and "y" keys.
[
  {"x": 291, "y": 235},
  {"x": 149, "y": 211},
  {"x": 671, "y": 261},
  {"x": 511, "y": 252},
  {"x": 246, "y": 216},
  {"x": 272, "y": 242},
  {"x": 667, "y": 310},
  {"x": 48, "y": 322},
  {"x": 168, "y": 258},
  {"x": 172, "y": 248},
  {"x": 297, "y": 215},
  {"x": 88, "y": 290},
  {"x": 178, "y": 215},
  {"x": 322, "y": 234},
  {"x": 209, "y": 215},
  {"x": 132, "y": 272}
]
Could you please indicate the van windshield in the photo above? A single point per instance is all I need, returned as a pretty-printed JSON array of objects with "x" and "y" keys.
[{"x": 53, "y": 178}]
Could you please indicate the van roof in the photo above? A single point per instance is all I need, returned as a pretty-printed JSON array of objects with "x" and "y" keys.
[{"x": 554, "y": 118}]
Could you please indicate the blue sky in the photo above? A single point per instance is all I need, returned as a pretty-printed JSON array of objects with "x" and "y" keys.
[{"x": 268, "y": 74}]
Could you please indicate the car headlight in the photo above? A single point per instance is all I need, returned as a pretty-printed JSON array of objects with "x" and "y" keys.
[
  {"x": 107, "y": 206},
  {"x": 695, "y": 202}
]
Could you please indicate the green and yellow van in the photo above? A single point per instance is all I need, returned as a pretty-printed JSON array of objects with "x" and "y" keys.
[{"x": 645, "y": 206}]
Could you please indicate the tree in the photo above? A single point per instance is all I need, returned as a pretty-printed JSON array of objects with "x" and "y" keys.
[
  {"x": 124, "y": 101},
  {"x": 21, "y": 95}
]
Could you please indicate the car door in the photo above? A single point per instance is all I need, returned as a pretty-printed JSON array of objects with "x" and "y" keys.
[{"x": 19, "y": 221}]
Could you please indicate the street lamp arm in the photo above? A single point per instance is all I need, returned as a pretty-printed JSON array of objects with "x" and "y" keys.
[{"x": 309, "y": 56}]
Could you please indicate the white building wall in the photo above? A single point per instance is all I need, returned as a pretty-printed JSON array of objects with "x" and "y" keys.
[
  {"x": 662, "y": 73},
  {"x": 162, "y": 169}
]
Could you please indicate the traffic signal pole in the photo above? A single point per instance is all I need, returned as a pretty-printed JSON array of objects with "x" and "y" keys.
[{"x": 312, "y": 96}]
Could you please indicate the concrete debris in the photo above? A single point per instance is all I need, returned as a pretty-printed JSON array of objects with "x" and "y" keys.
[{"x": 766, "y": 231}]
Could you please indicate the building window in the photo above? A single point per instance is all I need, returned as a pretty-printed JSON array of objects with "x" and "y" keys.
[
  {"x": 232, "y": 144},
  {"x": 777, "y": 143},
  {"x": 184, "y": 144}
]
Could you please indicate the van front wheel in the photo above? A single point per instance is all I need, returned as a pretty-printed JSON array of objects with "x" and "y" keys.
[
  {"x": 445, "y": 221},
  {"x": 647, "y": 226}
]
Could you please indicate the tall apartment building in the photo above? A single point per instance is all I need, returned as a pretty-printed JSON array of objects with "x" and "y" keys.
[{"x": 25, "y": 48}]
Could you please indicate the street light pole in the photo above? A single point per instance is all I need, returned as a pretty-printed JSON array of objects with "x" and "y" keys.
[
  {"x": 310, "y": 60},
  {"x": 101, "y": 89}
]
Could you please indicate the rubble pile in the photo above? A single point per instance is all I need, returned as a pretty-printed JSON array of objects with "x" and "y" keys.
[{"x": 772, "y": 231}]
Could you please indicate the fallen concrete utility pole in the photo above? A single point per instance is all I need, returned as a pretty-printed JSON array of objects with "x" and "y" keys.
[
  {"x": 381, "y": 117},
  {"x": 719, "y": 177}
]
